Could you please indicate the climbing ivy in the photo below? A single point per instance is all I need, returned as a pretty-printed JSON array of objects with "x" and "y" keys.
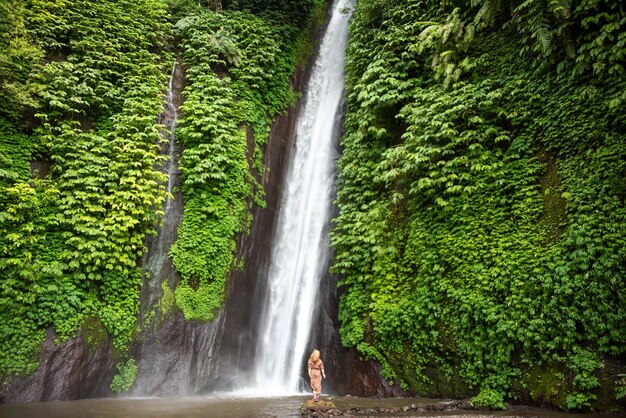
[
  {"x": 125, "y": 377},
  {"x": 19, "y": 53},
  {"x": 480, "y": 234},
  {"x": 91, "y": 88}
]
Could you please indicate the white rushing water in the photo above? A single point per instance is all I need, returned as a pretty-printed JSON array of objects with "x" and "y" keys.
[
  {"x": 300, "y": 248},
  {"x": 156, "y": 261},
  {"x": 172, "y": 165}
]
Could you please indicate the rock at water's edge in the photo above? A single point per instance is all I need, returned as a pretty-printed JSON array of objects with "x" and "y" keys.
[{"x": 70, "y": 370}]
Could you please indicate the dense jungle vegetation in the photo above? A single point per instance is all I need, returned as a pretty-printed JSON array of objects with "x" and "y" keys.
[
  {"x": 481, "y": 235},
  {"x": 481, "y": 238},
  {"x": 81, "y": 184}
]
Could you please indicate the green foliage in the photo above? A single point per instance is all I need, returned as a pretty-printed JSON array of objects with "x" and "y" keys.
[
  {"x": 179, "y": 9},
  {"x": 238, "y": 66},
  {"x": 294, "y": 13},
  {"x": 19, "y": 54},
  {"x": 125, "y": 377},
  {"x": 546, "y": 384},
  {"x": 94, "y": 333},
  {"x": 167, "y": 303},
  {"x": 481, "y": 199},
  {"x": 620, "y": 386},
  {"x": 34, "y": 291},
  {"x": 90, "y": 72},
  {"x": 15, "y": 154},
  {"x": 488, "y": 398},
  {"x": 583, "y": 364}
]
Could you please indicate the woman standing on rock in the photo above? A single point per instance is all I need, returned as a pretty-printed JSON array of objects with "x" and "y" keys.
[{"x": 316, "y": 372}]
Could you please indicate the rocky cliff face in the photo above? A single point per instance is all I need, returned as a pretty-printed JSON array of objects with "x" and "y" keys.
[
  {"x": 74, "y": 369},
  {"x": 175, "y": 357},
  {"x": 179, "y": 357}
]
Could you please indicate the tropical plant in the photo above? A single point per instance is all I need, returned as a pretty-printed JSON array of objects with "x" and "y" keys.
[
  {"x": 92, "y": 89},
  {"x": 237, "y": 80},
  {"x": 480, "y": 230}
]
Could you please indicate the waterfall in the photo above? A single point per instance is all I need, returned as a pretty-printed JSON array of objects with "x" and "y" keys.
[
  {"x": 156, "y": 261},
  {"x": 172, "y": 166},
  {"x": 300, "y": 248}
]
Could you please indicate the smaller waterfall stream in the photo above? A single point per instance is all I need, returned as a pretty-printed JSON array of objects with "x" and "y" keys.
[
  {"x": 156, "y": 261},
  {"x": 300, "y": 249},
  {"x": 174, "y": 356},
  {"x": 172, "y": 164}
]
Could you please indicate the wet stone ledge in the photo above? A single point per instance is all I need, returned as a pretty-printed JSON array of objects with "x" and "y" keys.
[
  {"x": 453, "y": 408},
  {"x": 320, "y": 409},
  {"x": 328, "y": 409}
]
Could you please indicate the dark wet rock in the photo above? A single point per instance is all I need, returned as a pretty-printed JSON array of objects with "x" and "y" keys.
[
  {"x": 364, "y": 379},
  {"x": 40, "y": 168},
  {"x": 447, "y": 405},
  {"x": 431, "y": 408},
  {"x": 158, "y": 269},
  {"x": 70, "y": 370},
  {"x": 174, "y": 358}
]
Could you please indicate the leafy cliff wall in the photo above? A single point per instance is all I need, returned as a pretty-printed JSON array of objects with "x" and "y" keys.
[
  {"x": 82, "y": 88},
  {"x": 481, "y": 232}
]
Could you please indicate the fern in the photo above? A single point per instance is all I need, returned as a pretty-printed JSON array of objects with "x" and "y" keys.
[
  {"x": 560, "y": 8},
  {"x": 620, "y": 386}
]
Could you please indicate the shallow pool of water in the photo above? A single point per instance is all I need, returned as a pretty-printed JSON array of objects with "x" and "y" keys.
[
  {"x": 225, "y": 406},
  {"x": 191, "y": 407}
]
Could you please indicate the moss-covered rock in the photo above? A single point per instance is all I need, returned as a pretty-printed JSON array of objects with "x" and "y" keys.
[
  {"x": 319, "y": 409},
  {"x": 94, "y": 333}
]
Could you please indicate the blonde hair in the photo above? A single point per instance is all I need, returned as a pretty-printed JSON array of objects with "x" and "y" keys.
[{"x": 315, "y": 355}]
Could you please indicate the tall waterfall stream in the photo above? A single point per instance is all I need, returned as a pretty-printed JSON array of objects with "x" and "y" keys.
[
  {"x": 300, "y": 247},
  {"x": 172, "y": 164}
]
